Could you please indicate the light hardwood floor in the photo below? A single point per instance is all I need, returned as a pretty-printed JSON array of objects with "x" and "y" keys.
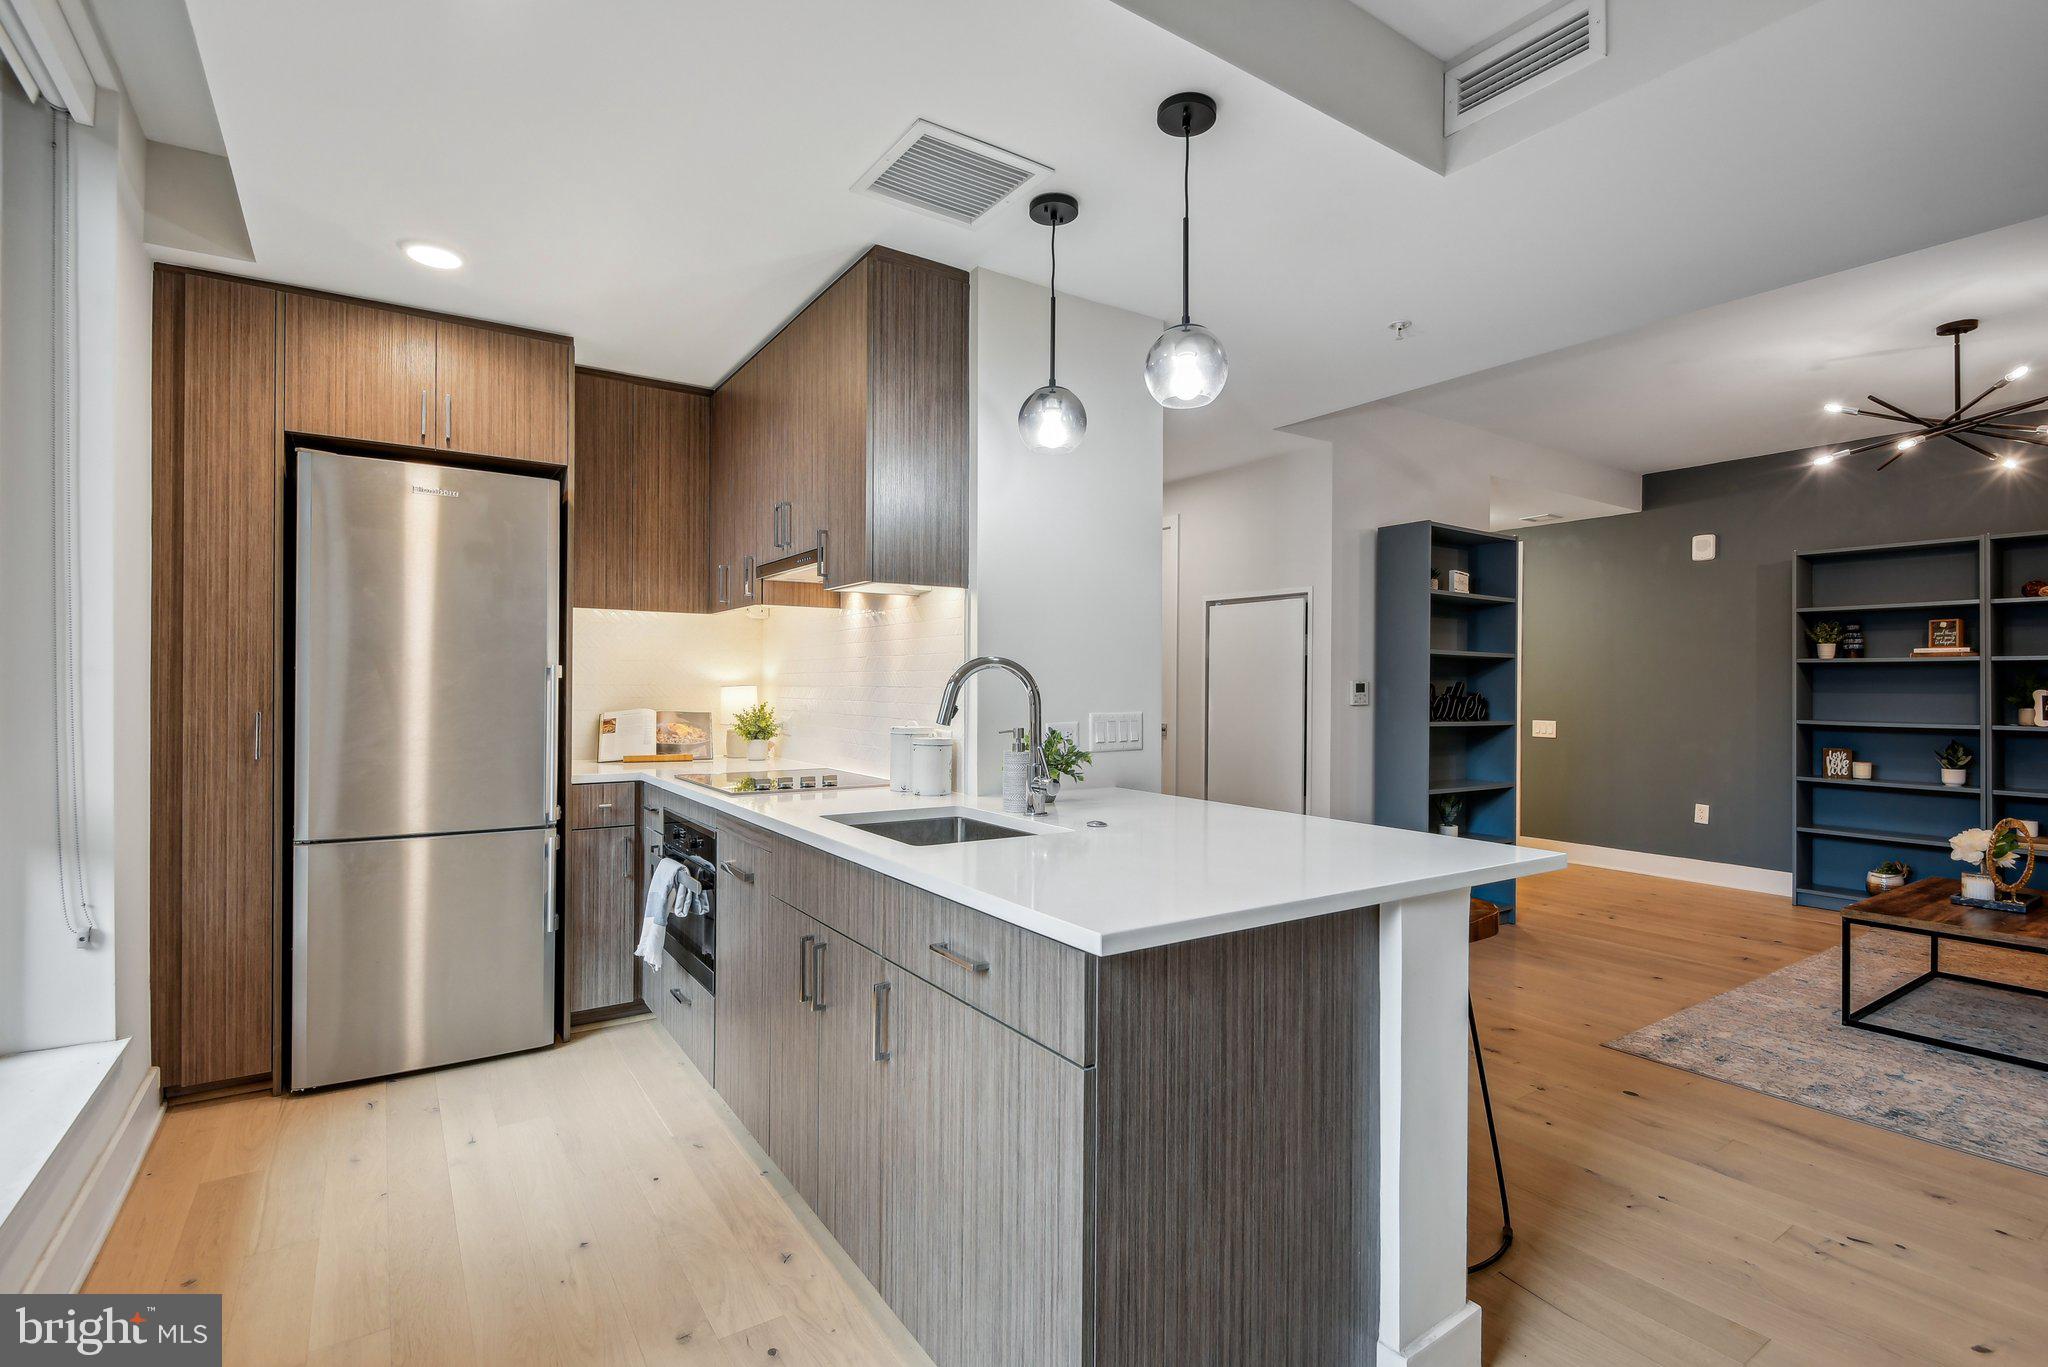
[{"x": 593, "y": 1203}]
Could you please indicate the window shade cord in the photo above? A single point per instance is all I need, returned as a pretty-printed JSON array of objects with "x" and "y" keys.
[{"x": 74, "y": 889}]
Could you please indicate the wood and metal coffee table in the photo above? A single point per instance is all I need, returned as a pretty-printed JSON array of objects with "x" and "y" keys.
[{"x": 1923, "y": 908}]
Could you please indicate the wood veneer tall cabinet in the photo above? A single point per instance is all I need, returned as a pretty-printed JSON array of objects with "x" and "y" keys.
[
  {"x": 219, "y": 444},
  {"x": 643, "y": 470},
  {"x": 847, "y": 433}
]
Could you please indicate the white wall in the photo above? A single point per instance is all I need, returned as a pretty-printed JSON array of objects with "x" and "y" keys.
[
  {"x": 1064, "y": 549},
  {"x": 1254, "y": 529},
  {"x": 655, "y": 659},
  {"x": 839, "y": 678}
]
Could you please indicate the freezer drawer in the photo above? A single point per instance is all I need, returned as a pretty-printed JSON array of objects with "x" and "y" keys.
[{"x": 421, "y": 951}]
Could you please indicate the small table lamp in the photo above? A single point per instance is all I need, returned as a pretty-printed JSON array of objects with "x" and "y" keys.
[{"x": 734, "y": 699}]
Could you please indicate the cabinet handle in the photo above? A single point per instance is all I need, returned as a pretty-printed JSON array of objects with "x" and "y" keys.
[
  {"x": 945, "y": 951},
  {"x": 448, "y": 418},
  {"x": 824, "y": 575},
  {"x": 256, "y": 740},
  {"x": 721, "y": 586},
  {"x": 881, "y": 1022},
  {"x": 423, "y": 416},
  {"x": 803, "y": 967},
  {"x": 604, "y": 806},
  {"x": 677, "y": 993},
  {"x": 736, "y": 871},
  {"x": 818, "y": 976},
  {"x": 747, "y": 577}
]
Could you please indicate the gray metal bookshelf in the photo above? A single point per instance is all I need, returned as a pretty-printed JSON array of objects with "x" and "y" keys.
[
  {"x": 1427, "y": 639},
  {"x": 1895, "y": 710}
]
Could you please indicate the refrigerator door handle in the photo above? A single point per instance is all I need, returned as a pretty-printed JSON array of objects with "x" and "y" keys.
[
  {"x": 548, "y": 923},
  {"x": 550, "y": 810}
]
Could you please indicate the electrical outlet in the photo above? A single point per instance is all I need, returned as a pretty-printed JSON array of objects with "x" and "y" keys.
[
  {"x": 1544, "y": 729},
  {"x": 1699, "y": 813},
  {"x": 1361, "y": 693},
  {"x": 1116, "y": 731}
]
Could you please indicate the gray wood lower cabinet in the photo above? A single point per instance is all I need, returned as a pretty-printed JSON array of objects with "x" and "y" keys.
[
  {"x": 685, "y": 1010},
  {"x": 753, "y": 979},
  {"x": 984, "y": 1223},
  {"x": 856, "y": 997},
  {"x": 791, "y": 1019}
]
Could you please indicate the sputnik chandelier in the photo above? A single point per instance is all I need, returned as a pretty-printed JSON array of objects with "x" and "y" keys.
[{"x": 1964, "y": 426}]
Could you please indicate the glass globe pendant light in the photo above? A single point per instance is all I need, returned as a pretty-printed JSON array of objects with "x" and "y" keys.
[
  {"x": 1052, "y": 419},
  {"x": 1186, "y": 367}
]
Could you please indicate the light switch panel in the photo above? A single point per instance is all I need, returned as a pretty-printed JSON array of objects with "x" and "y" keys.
[
  {"x": 1546, "y": 730},
  {"x": 1116, "y": 730}
]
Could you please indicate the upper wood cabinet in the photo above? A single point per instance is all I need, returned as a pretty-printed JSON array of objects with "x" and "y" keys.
[
  {"x": 218, "y": 449},
  {"x": 643, "y": 465},
  {"x": 847, "y": 434},
  {"x": 369, "y": 373}
]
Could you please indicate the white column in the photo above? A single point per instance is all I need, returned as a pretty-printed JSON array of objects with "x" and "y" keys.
[{"x": 1425, "y": 1319}]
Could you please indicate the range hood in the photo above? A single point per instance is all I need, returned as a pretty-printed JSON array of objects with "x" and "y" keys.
[{"x": 798, "y": 567}]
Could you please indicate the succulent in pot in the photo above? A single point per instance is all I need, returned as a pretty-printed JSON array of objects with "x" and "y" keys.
[
  {"x": 757, "y": 726},
  {"x": 1826, "y": 638},
  {"x": 1450, "y": 814},
  {"x": 2020, "y": 696},
  {"x": 1063, "y": 759},
  {"x": 1886, "y": 876},
  {"x": 1955, "y": 760}
]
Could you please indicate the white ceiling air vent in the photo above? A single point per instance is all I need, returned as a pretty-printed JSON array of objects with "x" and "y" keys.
[
  {"x": 1533, "y": 56},
  {"x": 1544, "y": 517},
  {"x": 948, "y": 174}
]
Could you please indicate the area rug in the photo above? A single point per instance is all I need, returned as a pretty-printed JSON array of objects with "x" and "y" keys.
[{"x": 1782, "y": 1035}]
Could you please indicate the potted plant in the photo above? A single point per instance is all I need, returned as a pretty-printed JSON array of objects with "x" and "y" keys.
[
  {"x": 757, "y": 726},
  {"x": 1063, "y": 759},
  {"x": 2020, "y": 696},
  {"x": 1826, "y": 636},
  {"x": 1989, "y": 851},
  {"x": 1450, "y": 814},
  {"x": 1954, "y": 759},
  {"x": 1886, "y": 876}
]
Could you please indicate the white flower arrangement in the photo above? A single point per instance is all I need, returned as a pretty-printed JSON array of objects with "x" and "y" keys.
[{"x": 1975, "y": 846}]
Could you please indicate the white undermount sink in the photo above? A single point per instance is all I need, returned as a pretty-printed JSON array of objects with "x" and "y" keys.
[{"x": 940, "y": 825}]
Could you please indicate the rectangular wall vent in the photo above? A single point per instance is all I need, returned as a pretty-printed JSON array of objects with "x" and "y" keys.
[
  {"x": 1533, "y": 56},
  {"x": 950, "y": 175}
]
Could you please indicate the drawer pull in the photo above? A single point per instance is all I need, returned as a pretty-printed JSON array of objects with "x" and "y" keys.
[
  {"x": 736, "y": 871},
  {"x": 881, "y": 1022},
  {"x": 945, "y": 951},
  {"x": 803, "y": 967},
  {"x": 677, "y": 993},
  {"x": 604, "y": 806}
]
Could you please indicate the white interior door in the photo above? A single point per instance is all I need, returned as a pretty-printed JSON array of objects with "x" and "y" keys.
[
  {"x": 1256, "y": 722},
  {"x": 1169, "y": 654}
]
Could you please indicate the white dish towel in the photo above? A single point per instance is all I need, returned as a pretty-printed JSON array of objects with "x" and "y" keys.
[{"x": 654, "y": 920}]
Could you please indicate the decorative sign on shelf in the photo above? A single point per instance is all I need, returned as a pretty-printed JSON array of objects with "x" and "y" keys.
[
  {"x": 1837, "y": 762},
  {"x": 1945, "y": 633},
  {"x": 1454, "y": 702},
  {"x": 1852, "y": 640},
  {"x": 1461, "y": 581}
]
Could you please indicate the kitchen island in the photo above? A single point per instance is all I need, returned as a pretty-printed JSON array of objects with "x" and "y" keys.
[{"x": 1145, "y": 1080}]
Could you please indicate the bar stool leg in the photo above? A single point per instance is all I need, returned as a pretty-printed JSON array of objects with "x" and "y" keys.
[{"x": 1500, "y": 1177}]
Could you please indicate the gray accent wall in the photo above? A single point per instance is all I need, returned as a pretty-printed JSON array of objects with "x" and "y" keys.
[{"x": 1670, "y": 680}]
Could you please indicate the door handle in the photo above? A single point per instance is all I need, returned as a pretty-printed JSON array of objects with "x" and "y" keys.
[
  {"x": 736, "y": 871},
  {"x": 256, "y": 740},
  {"x": 548, "y": 924},
  {"x": 803, "y": 967},
  {"x": 818, "y": 976},
  {"x": 423, "y": 415},
  {"x": 677, "y": 993},
  {"x": 945, "y": 951},
  {"x": 881, "y": 1022}
]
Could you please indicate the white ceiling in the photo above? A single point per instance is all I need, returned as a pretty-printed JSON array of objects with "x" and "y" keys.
[
  {"x": 151, "y": 42},
  {"x": 1749, "y": 378},
  {"x": 667, "y": 183},
  {"x": 1448, "y": 29}
]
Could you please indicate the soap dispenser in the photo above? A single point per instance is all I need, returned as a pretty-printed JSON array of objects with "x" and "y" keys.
[{"x": 1017, "y": 772}]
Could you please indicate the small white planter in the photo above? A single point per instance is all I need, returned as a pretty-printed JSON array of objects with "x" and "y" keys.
[
  {"x": 1447, "y": 830},
  {"x": 1978, "y": 888},
  {"x": 1955, "y": 778},
  {"x": 757, "y": 749},
  {"x": 2026, "y": 716},
  {"x": 1824, "y": 650}
]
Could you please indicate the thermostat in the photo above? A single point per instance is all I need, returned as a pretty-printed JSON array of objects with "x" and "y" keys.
[{"x": 1704, "y": 547}]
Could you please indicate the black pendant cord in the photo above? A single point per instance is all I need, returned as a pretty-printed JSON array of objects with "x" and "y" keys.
[
  {"x": 1507, "y": 1224},
  {"x": 1052, "y": 322},
  {"x": 1187, "y": 143},
  {"x": 1958, "y": 339}
]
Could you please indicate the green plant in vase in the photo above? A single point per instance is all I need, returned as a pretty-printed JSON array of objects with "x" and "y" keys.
[
  {"x": 1063, "y": 759},
  {"x": 757, "y": 726},
  {"x": 1826, "y": 638},
  {"x": 1955, "y": 760},
  {"x": 1450, "y": 815},
  {"x": 2019, "y": 696},
  {"x": 1886, "y": 876}
]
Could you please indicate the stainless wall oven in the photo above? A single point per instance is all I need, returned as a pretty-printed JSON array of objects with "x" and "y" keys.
[{"x": 693, "y": 920}]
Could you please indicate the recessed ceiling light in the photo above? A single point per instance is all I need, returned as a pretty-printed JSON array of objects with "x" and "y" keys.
[{"x": 427, "y": 254}]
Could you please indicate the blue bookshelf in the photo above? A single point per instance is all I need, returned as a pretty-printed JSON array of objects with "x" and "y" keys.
[
  {"x": 1426, "y": 639},
  {"x": 1895, "y": 710}
]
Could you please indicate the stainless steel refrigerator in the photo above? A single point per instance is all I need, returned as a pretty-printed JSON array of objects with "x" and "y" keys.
[{"x": 426, "y": 671}]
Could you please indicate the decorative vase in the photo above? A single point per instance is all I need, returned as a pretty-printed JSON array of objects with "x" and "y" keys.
[
  {"x": 1862, "y": 768},
  {"x": 1447, "y": 830},
  {"x": 2026, "y": 716},
  {"x": 1978, "y": 888},
  {"x": 1883, "y": 882},
  {"x": 1824, "y": 650},
  {"x": 757, "y": 749},
  {"x": 1954, "y": 778}
]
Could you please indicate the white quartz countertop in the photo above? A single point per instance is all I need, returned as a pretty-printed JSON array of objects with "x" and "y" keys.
[{"x": 1158, "y": 870}]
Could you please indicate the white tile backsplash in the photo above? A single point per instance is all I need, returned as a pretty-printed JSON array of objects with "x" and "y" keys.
[{"x": 838, "y": 678}]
